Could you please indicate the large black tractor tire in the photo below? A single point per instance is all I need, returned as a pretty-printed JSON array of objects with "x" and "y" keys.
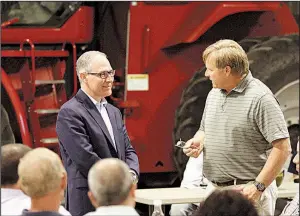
[{"x": 273, "y": 60}]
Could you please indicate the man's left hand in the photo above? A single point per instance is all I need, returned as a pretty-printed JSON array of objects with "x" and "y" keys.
[{"x": 251, "y": 192}]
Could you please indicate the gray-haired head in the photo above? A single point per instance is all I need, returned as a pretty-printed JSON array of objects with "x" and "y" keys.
[
  {"x": 110, "y": 182},
  {"x": 41, "y": 172},
  {"x": 83, "y": 63}
]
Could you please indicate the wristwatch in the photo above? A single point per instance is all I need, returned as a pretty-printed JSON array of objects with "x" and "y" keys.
[
  {"x": 135, "y": 178},
  {"x": 260, "y": 186}
]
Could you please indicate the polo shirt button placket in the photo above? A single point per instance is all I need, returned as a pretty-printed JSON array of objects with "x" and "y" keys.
[{"x": 224, "y": 103}]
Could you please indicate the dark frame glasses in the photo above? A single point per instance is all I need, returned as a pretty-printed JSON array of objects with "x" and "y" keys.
[{"x": 104, "y": 74}]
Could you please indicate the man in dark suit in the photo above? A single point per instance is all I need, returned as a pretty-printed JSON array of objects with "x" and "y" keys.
[{"x": 90, "y": 129}]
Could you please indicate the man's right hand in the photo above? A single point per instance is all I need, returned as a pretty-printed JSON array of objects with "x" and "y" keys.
[{"x": 193, "y": 148}]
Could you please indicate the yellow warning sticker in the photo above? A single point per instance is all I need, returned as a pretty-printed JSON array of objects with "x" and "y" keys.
[{"x": 137, "y": 82}]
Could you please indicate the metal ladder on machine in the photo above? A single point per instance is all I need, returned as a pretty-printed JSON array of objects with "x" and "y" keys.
[{"x": 42, "y": 106}]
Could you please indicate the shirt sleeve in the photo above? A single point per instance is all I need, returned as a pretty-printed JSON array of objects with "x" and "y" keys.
[
  {"x": 270, "y": 120},
  {"x": 193, "y": 173}
]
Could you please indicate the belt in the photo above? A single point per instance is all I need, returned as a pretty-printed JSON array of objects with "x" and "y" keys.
[{"x": 232, "y": 182}]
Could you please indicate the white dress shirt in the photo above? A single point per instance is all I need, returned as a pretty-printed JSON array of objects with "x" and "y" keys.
[
  {"x": 193, "y": 173},
  {"x": 292, "y": 208},
  {"x": 114, "y": 210},
  {"x": 13, "y": 201},
  {"x": 103, "y": 112}
]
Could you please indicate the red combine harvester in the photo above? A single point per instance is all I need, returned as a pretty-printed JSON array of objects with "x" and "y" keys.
[{"x": 156, "y": 48}]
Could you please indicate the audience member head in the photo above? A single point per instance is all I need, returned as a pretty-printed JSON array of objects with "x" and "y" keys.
[
  {"x": 226, "y": 202},
  {"x": 110, "y": 183},
  {"x": 10, "y": 158},
  {"x": 41, "y": 174}
]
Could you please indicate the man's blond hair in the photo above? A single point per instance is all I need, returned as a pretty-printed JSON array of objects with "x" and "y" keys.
[
  {"x": 40, "y": 172},
  {"x": 227, "y": 53}
]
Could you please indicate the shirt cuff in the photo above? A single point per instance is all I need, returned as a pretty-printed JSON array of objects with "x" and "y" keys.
[{"x": 135, "y": 178}]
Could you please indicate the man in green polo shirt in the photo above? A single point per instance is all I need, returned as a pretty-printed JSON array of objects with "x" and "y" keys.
[{"x": 242, "y": 121}]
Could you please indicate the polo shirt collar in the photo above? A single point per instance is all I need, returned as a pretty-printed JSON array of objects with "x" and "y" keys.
[{"x": 244, "y": 83}]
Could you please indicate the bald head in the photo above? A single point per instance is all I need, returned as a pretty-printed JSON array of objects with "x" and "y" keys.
[
  {"x": 40, "y": 172},
  {"x": 10, "y": 158},
  {"x": 110, "y": 182}
]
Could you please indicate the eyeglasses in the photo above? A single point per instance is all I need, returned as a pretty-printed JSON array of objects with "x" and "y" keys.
[{"x": 104, "y": 74}]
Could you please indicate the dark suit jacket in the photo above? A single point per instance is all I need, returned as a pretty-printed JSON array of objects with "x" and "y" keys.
[{"x": 83, "y": 140}]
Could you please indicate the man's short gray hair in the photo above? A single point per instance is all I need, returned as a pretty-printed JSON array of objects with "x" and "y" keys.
[
  {"x": 40, "y": 172},
  {"x": 110, "y": 181},
  {"x": 83, "y": 63}
]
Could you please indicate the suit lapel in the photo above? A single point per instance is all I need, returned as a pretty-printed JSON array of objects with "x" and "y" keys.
[
  {"x": 93, "y": 111},
  {"x": 97, "y": 116},
  {"x": 115, "y": 130}
]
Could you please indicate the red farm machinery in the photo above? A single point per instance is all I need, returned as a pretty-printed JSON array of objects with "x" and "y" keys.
[{"x": 156, "y": 48}]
